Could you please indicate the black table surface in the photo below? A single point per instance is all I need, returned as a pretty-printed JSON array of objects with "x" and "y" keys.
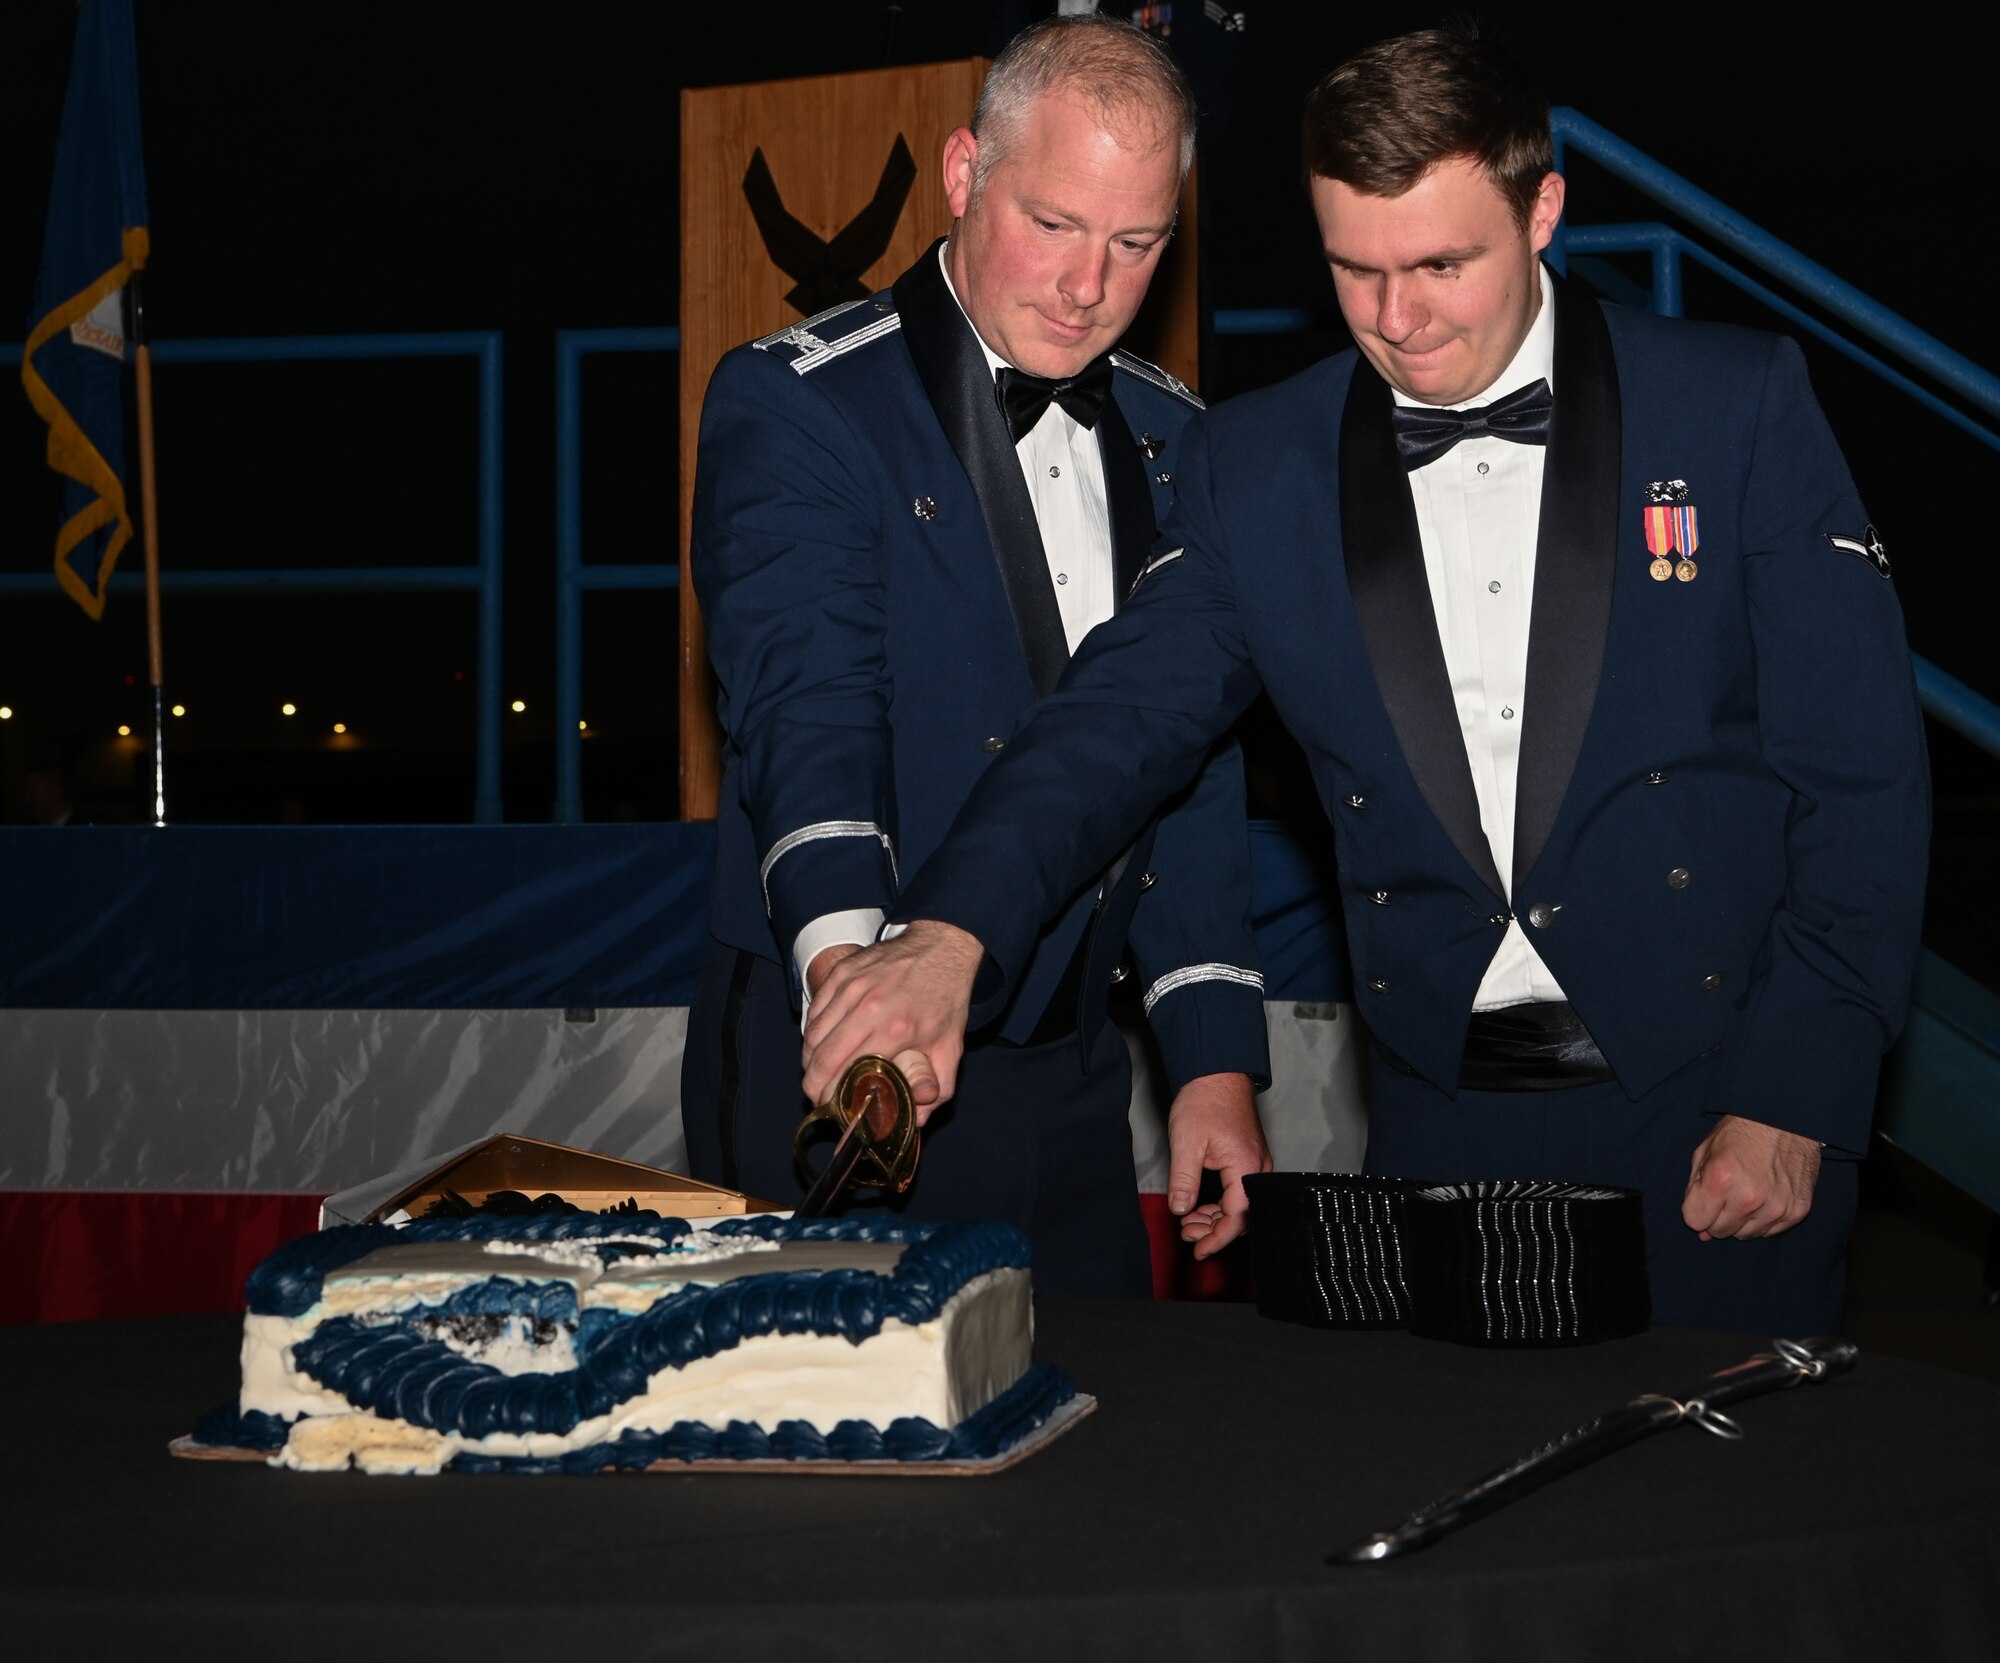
[{"x": 1191, "y": 1515}]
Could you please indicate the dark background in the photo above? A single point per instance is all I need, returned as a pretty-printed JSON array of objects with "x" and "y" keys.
[{"x": 321, "y": 167}]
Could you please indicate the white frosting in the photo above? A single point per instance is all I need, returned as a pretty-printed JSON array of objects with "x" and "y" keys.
[
  {"x": 941, "y": 1370},
  {"x": 697, "y": 1247},
  {"x": 515, "y": 1350}
]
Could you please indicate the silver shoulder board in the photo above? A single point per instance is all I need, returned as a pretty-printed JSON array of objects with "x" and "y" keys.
[
  {"x": 1135, "y": 365},
  {"x": 826, "y": 351},
  {"x": 802, "y": 334}
]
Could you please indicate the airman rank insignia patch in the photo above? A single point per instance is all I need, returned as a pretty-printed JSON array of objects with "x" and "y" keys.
[{"x": 1868, "y": 547}]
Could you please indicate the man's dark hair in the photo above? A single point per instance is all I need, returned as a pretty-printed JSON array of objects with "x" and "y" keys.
[{"x": 1387, "y": 116}]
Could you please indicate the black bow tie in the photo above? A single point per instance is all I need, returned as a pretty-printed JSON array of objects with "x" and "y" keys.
[
  {"x": 1025, "y": 398},
  {"x": 1424, "y": 432}
]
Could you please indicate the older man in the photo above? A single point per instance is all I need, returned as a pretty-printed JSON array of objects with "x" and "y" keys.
[
  {"x": 908, "y": 512},
  {"x": 1595, "y": 657}
]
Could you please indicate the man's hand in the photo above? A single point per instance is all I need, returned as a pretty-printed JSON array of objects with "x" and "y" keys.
[
  {"x": 1748, "y": 1179},
  {"x": 905, "y": 999},
  {"x": 1213, "y": 1125},
  {"x": 824, "y": 961}
]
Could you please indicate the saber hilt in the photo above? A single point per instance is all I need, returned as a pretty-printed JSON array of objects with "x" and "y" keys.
[{"x": 875, "y": 1116}]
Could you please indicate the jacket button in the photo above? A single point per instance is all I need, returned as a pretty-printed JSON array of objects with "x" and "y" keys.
[
  {"x": 1147, "y": 880},
  {"x": 1379, "y": 896},
  {"x": 1710, "y": 983},
  {"x": 1542, "y": 915},
  {"x": 1119, "y": 974},
  {"x": 1678, "y": 878},
  {"x": 1501, "y": 918},
  {"x": 994, "y": 746},
  {"x": 1163, "y": 479},
  {"x": 1656, "y": 777},
  {"x": 1378, "y": 986},
  {"x": 1357, "y": 802}
]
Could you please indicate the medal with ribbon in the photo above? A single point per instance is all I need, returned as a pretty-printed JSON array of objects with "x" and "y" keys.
[{"x": 1671, "y": 528}]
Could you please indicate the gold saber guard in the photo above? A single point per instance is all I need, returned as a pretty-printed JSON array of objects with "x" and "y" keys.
[{"x": 874, "y": 1100}]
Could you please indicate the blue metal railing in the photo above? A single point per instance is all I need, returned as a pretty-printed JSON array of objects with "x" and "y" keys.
[
  {"x": 483, "y": 576},
  {"x": 573, "y": 574},
  {"x": 1948, "y": 701},
  {"x": 1670, "y": 247},
  {"x": 1806, "y": 276}
]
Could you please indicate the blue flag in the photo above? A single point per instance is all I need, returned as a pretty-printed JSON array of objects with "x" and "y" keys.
[{"x": 74, "y": 365}]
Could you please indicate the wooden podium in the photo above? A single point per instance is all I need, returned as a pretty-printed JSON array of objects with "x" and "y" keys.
[{"x": 822, "y": 174}]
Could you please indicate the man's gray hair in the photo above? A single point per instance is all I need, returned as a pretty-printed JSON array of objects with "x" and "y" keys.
[{"x": 1127, "y": 78}]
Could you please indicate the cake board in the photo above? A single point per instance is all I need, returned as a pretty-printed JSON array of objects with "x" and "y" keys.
[{"x": 1060, "y": 1421}]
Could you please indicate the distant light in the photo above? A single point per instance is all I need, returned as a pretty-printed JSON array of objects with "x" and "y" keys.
[
  {"x": 180, "y": 710},
  {"x": 6, "y": 713},
  {"x": 129, "y": 680},
  {"x": 458, "y": 675},
  {"x": 339, "y": 727},
  {"x": 518, "y": 706},
  {"x": 581, "y": 725},
  {"x": 123, "y": 731},
  {"x": 289, "y": 709}
]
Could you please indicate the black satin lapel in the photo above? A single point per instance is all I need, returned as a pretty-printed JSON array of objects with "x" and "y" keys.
[
  {"x": 1576, "y": 553},
  {"x": 1131, "y": 504},
  {"x": 1392, "y": 604},
  {"x": 954, "y": 373}
]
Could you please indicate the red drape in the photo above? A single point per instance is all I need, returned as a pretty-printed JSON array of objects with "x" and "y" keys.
[
  {"x": 77, "y": 1255},
  {"x": 1177, "y": 1274}
]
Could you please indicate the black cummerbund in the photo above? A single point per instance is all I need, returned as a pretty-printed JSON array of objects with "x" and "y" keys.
[{"x": 1537, "y": 1047}]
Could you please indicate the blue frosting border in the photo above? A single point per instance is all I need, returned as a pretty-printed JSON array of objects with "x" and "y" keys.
[{"x": 1004, "y": 1422}]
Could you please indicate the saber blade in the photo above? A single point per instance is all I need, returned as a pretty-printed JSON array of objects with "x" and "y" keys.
[{"x": 1788, "y": 1363}]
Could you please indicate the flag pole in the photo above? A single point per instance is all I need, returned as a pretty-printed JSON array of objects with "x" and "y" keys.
[{"x": 149, "y": 530}]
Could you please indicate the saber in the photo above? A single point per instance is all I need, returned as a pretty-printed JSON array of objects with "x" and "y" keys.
[
  {"x": 1789, "y": 1363},
  {"x": 878, "y": 1143}
]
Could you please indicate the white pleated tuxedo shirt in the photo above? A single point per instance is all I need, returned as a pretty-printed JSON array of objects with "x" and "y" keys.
[{"x": 1478, "y": 513}]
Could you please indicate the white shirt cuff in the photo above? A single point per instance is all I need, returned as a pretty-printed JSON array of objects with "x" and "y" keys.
[{"x": 857, "y": 927}]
